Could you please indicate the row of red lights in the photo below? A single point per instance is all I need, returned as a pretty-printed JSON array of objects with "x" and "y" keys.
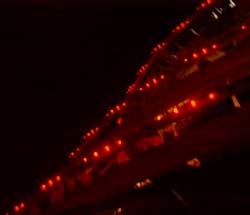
[
  {"x": 116, "y": 109},
  {"x": 193, "y": 103},
  {"x": 106, "y": 149},
  {"x": 51, "y": 183},
  {"x": 154, "y": 81}
]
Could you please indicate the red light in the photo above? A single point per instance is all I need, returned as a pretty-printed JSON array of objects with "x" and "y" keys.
[
  {"x": 147, "y": 85},
  {"x": 204, "y": 51},
  {"x": 97, "y": 129},
  {"x": 183, "y": 25},
  {"x": 211, "y": 96},
  {"x": 22, "y": 205},
  {"x": 195, "y": 55},
  {"x": 16, "y": 209},
  {"x": 119, "y": 142},
  {"x": 185, "y": 60},
  {"x": 85, "y": 160},
  {"x": 118, "y": 107},
  {"x": 193, "y": 103},
  {"x": 72, "y": 154},
  {"x": 209, "y": 1},
  {"x": 124, "y": 104},
  {"x": 112, "y": 111},
  {"x": 50, "y": 183},
  {"x": 178, "y": 28},
  {"x": 175, "y": 110},
  {"x": 96, "y": 155},
  {"x": 204, "y": 5},
  {"x": 243, "y": 27},
  {"x": 78, "y": 149},
  {"x": 162, "y": 77},
  {"x": 119, "y": 121},
  {"x": 88, "y": 134},
  {"x": 107, "y": 115},
  {"x": 107, "y": 148},
  {"x": 214, "y": 46},
  {"x": 141, "y": 89},
  {"x": 58, "y": 178},
  {"x": 155, "y": 81},
  {"x": 159, "y": 117},
  {"x": 43, "y": 187}
]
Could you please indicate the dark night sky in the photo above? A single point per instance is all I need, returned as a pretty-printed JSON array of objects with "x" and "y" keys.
[{"x": 61, "y": 66}]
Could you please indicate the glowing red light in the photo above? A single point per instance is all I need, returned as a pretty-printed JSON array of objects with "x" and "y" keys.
[
  {"x": 16, "y": 208},
  {"x": 209, "y": 1},
  {"x": 195, "y": 55},
  {"x": 43, "y": 187},
  {"x": 185, "y": 60},
  {"x": 107, "y": 148},
  {"x": 204, "y": 5},
  {"x": 97, "y": 129},
  {"x": 178, "y": 28},
  {"x": 162, "y": 77},
  {"x": 204, "y": 51},
  {"x": 72, "y": 154},
  {"x": 107, "y": 115},
  {"x": 119, "y": 142},
  {"x": 119, "y": 121},
  {"x": 183, "y": 25},
  {"x": 78, "y": 149},
  {"x": 124, "y": 104},
  {"x": 118, "y": 107},
  {"x": 147, "y": 85},
  {"x": 96, "y": 154},
  {"x": 243, "y": 27},
  {"x": 85, "y": 160},
  {"x": 92, "y": 131},
  {"x": 159, "y": 117},
  {"x": 22, "y": 206},
  {"x": 211, "y": 96},
  {"x": 155, "y": 81},
  {"x": 175, "y": 110},
  {"x": 193, "y": 103},
  {"x": 88, "y": 134},
  {"x": 50, "y": 183},
  {"x": 141, "y": 89},
  {"x": 112, "y": 111},
  {"x": 214, "y": 46},
  {"x": 58, "y": 178}
]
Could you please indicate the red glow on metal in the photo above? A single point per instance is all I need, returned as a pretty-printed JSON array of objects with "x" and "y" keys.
[{"x": 16, "y": 208}]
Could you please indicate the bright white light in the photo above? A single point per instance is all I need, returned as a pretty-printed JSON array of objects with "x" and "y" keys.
[
  {"x": 231, "y": 4},
  {"x": 215, "y": 15}
]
